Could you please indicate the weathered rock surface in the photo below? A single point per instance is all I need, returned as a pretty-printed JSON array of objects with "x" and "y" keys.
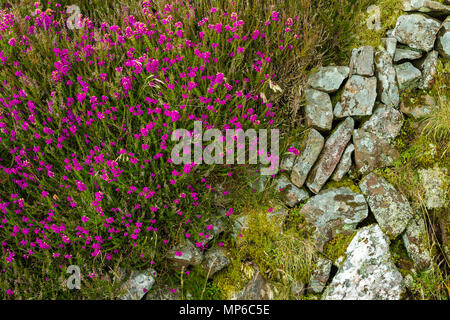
[
  {"x": 372, "y": 152},
  {"x": 358, "y": 97},
  {"x": 426, "y": 6},
  {"x": 328, "y": 79},
  {"x": 406, "y": 53},
  {"x": 215, "y": 260},
  {"x": 319, "y": 110},
  {"x": 185, "y": 255},
  {"x": 390, "y": 208},
  {"x": 256, "y": 289},
  {"x": 288, "y": 161},
  {"x": 334, "y": 211},
  {"x": 320, "y": 275},
  {"x": 408, "y": 76},
  {"x": 163, "y": 292},
  {"x": 433, "y": 181},
  {"x": 368, "y": 272},
  {"x": 416, "y": 243},
  {"x": 309, "y": 151},
  {"x": 239, "y": 225},
  {"x": 297, "y": 289},
  {"x": 385, "y": 122},
  {"x": 417, "y": 31},
  {"x": 419, "y": 109},
  {"x": 344, "y": 164},
  {"x": 390, "y": 45},
  {"x": 387, "y": 79},
  {"x": 362, "y": 61},
  {"x": 443, "y": 41},
  {"x": 330, "y": 156},
  {"x": 138, "y": 284},
  {"x": 290, "y": 194},
  {"x": 428, "y": 67}
]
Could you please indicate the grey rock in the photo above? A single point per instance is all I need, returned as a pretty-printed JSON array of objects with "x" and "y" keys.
[
  {"x": 434, "y": 183},
  {"x": 319, "y": 110},
  {"x": 333, "y": 212},
  {"x": 215, "y": 260},
  {"x": 290, "y": 194},
  {"x": 218, "y": 226},
  {"x": 328, "y": 79},
  {"x": 428, "y": 67},
  {"x": 256, "y": 289},
  {"x": 426, "y": 6},
  {"x": 417, "y": 31},
  {"x": 387, "y": 80},
  {"x": 385, "y": 122},
  {"x": 278, "y": 215},
  {"x": 390, "y": 208},
  {"x": 362, "y": 61},
  {"x": 288, "y": 161},
  {"x": 297, "y": 289},
  {"x": 368, "y": 272},
  {"x": 358, "y": 97},
  {"x": 163, "y": 292},
  {"x": 416, "y": 243},
  {"x": 239, "y": 225},
  {"x": 190, "y": 255},
  {"x": 344, "y": 164},
  {"x": 259, "y": 183},
  {"x": 419, "y": 109},
  {"x": 330, "y": 155},
  {"x": 408, "y": 77},
  {"x": 309, "y": 151},
  {"x": 390, "y": 45},
  {"x": 138, "y": 284},
  {"x": 320, "y": 275},
  {"x": 406, "y": 53},
  {"x": 372, "y": 152},
  {"x": 443, "y": 41}
]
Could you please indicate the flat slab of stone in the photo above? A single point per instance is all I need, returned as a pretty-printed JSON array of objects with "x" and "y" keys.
[
  {"x": 331, "y": 154},
  {"x": 426, "y": 6},
  {"x": 390, "y": 208},
  {"x": 334, "y": 211},
  {"x": 318, "y": 110},
  {"x": 387, "y": 79},
  {"x": 405, "y": 53},
  {"x": 328, "y": 79},
  {"x": 417, "y": 31},
  {"x": 290, "y": 194},
  {"x": 358, "y": 97},
  {"x": 344, "y": 164},
  {"x": 362, "y": 61},
  {"x": 385, "y": 122},
  {"x": 368, "y": 272},
  {"x": 309, "y": 151},
  {"x": 408, "y": 76}
]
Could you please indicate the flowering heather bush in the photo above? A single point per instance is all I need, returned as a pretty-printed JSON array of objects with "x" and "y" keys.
[{"x": 86, "y": 118}]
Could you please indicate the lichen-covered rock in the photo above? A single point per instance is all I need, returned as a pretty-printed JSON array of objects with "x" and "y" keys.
[
  {"x": 163, "y": 292},
  {"x": 288, "y": 161},
  {"x": 358, "y": 97},
  {"x": 387, "y": 79},
  {"x": 259, "y": 182},
  {"x": 138, "y": 284},
  {"x": 433, "y": 181},
  {"x": 330, "y": 156},
  {"x": 416, "y": 243},
  {"x": 419, "y": 108},
  {"x": 297, "y": 289},
  {"x": 372, "y": 152},
  {"x": 390, "y": 208},
  {"x": 344, "y": 164},
  {"x": 390, "y": 45},
  {"x": 406, "y": 53},
  {"x": 318, "y": 110},
  {"x": 426, "y": 6},
  {"x": 408, "y": 76},
  {"x": 278, "y": 215},
  {"x": 215, "y": 260},
  {"x": 239, "y": 225},
  {"x": 320, "y": 275},
  {"x": 362, "y": 61},
  {"x": 290, "y": 194},
  {"x": 334, "y": 211},
  {"x": 185, "y": 255},
  {"x": 368, "y": 272},
  {"x": 429, "y": 67},
  {"x": 417, "y": 31},
  {"x": 256, "y": 289},
  {"x": 443, "y": 41},
  {"x": 328, "y": 79},
  {"x": 385, "y": 122},
  {"x": 309, "y": 151}
]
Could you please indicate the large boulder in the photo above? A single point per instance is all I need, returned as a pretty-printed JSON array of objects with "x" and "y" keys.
[
  {"x": 390, "y": 208},
  {"x": 372, "y": 152},
  {"x": 385, "y": 122},
  {"x": 362, "y": 61},
  {"x": 290, "y": 194},
  {"x": 417, "y": 31},
  {"x": 387, "y": 79},
  {"x": 443, "y": 42},
  {"x": 416, "y": 243},
  {"x": 408, "y": 76},
  {"x": 344, "y": 164},
  {"x": 330, "y": 156},
  {"x": 318, "y": 110},
  {"x": 309, "y": 151},
  {"x": 328, "y": 79},
  {"x": 368, "y": 272},
  {"x": 358, "y": 97},
  {"x": 333, "y": 212}
]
